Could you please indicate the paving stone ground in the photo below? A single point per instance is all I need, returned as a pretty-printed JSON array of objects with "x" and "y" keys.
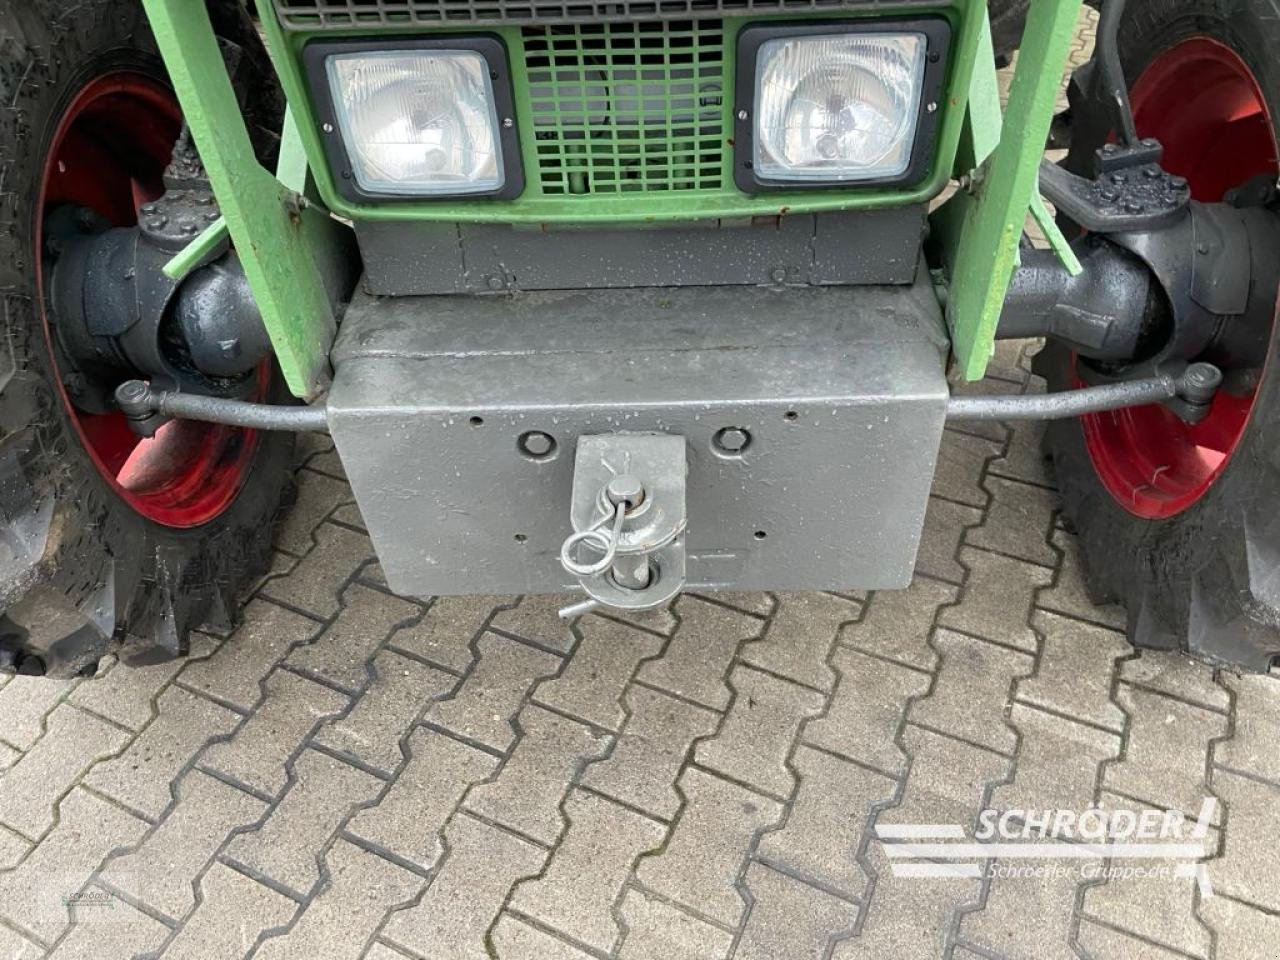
[{"x": 356, "y": 775}]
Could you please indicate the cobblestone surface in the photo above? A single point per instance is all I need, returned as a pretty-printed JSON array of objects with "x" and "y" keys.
[{"x": 356, "y": 775}]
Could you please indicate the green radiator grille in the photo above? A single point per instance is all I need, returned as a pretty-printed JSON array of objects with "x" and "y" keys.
[{"x": 627, "y": 107}]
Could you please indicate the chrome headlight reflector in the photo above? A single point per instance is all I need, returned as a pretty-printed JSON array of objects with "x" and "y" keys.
[
  {"x": 417, "y": 119},
  {"x": 837, "y": 104}
]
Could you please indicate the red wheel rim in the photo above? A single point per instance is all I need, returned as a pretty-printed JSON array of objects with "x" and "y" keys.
[
  {"x": 108, "y": 153},
  {"x": 1201, "y": 100}
]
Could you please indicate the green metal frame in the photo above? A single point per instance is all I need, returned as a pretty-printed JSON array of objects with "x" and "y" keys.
[
  {"x": 266, "y": 219},
  {"x": 967, "y": 22},
  {"x": 983, "y": 249}
]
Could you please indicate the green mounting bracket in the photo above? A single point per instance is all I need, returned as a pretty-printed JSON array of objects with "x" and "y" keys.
[
  {"x": 984, "y": 245},
  {"x": 1057, "y": 239},
  {"x": 195, "y": 252},
  {"x": 264, "y": 217},
  {"x": 980, "y": 134}
]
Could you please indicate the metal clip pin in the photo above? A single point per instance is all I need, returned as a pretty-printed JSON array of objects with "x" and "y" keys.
[{"x": 607, "y": 543}]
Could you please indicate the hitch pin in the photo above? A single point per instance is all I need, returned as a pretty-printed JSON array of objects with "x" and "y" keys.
[{"x": 606, "y": 542}]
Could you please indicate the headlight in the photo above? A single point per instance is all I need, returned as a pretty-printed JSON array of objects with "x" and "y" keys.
[
  {"x": 419, "y": 119},
  {"x": 832, "y": 105}
]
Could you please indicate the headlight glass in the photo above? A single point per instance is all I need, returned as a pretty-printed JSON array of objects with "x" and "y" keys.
[
  {"x": 418, "y": 122},
  {"x": 838, "y": 107}
]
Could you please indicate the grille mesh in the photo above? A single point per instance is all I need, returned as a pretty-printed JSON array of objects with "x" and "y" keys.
[
  {"x": 627, "y": 107},
  {"x": 398, "y": 14}
]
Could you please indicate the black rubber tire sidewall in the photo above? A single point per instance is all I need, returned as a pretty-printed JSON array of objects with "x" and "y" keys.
[
  {"x": 1186, "y": 581},
  {"x": 104, "y": 566}
]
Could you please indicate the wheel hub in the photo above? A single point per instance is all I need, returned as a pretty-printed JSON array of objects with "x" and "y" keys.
[
  {"x": 107, "y": 159},
  {"x": 1202, "y": 102}
]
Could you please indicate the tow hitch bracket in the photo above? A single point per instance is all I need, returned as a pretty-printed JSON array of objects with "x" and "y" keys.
[{"x": 628, "y": 515}]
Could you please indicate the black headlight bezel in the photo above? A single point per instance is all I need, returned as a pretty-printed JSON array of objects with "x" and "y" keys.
[
  {"x": 937, "y": 33},
  {"x": 315, "y": 56}
]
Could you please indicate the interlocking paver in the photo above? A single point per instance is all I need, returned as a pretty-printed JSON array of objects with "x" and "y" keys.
[
  {"x": 944, "y": 526},
  {"x": 162, "y": 870},
  {"x": 897, "y": 623},
  {"x": 972, "y": 691},
  {"x": 1165, "y": 750},
  {"x": 755, "y": 738},
  {"x": 142, "y": 776},
  {"x": 13, "y": 847},
  {"x": 789, "y": 919},
  {"x": 1170, "y": 672},
  {"x": 1059, "y": 762},
  {"x": 340, "y": 654},
  {"x": 1073, "y": 676},
  {"x": 1028, "y": 917},
  {"x": 314, "y": 584},
  {"x": 444, "y": 634},
  {"x": 527, "y": 791},
  {"x": 109, "y": 929},
  {"x": 256, "y": 755},
  {"x": 591, "y": 685},
  {"x": 584, "y": 877},
  {"x": 1018, "y": 522},
  {"x": 996, "y": 603},
  {"x": 408, "y": 819},
  {"x": 234, "y": 673},
  {"x": 536, "y": 619},
  {"x": 642, "y": 768},
  {"x": 761, "y": 604},
  {"x": 483, "y": 707},
  {"x": 1024, "y": 459},
  {"x": 866, "y": 709},
  {"x": 8, "y": 756},
  {"x": 126, "y": 695},
  {"x": 454, "y": 915},
  {"x": 1256, "y": 729},
  {"x": 14, "y": 946},
  {"x": 1159, "y": 909},
  {"x": 1243, "y": 932},
  {"x": 234, "y": 911},
  {"x": 696, "y": 660},
  {"x": 516, "y": 940},
  {"x": 1098, "y": 940},
  {"x": 25, "y": 702},
  {"x": 820, "y": 838},
  {"x": 961, "y": 459},
  {"x": 359, "y": 890},
  {"x": 1250, "y": 860},
  {"x": 699, "y": 865},
  {"x": 317, "y": 496},
  {"x": 323, "y": 792},
  {"x": 401, "y": 690},
  {"x": 799, "y": 637},
  {"x": 908, "y": 917},
  {"x": 656, "y": 929},
  {"x": 912, "y": 916},
  {"x": 34, "y": 896},
  {"x": 1068, "y": 594},
  {"x": 948, "y": 781},
  {"x": 32, "y": 786}
]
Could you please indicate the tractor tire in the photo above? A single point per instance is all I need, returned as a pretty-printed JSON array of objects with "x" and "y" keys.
[
  {"x": 108, "y": 546},
  {"x": 1180, "y": 523}
]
